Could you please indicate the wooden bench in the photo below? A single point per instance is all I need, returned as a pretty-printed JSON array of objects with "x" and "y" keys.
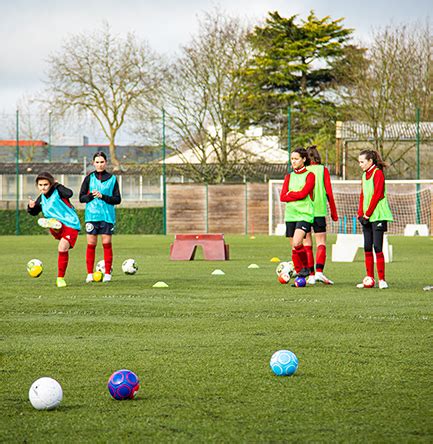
[{"x": 185, "y": 245}]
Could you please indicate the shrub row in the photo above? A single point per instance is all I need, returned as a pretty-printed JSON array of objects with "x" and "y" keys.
[{"x": 129, "y": 221}]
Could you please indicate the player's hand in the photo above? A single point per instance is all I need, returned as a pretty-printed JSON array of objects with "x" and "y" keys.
[
  {"x": 334, "y": 217},
  {"x": 97, "y": 194},
  {"x": 363, "y": 220},
  {"x": 32, "y": 202}
]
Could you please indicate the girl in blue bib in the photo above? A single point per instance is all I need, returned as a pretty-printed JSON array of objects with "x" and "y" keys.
[
  {"x": 59, "y": 216},
  {"x": 100, "y": 192}
]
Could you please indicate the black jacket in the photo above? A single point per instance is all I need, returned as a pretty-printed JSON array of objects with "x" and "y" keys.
[
  {"x": 86, "y": 195},
  {"x": 64, "y": 193}
]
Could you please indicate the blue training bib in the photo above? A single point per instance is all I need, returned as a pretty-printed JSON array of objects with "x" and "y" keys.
[
  {"x": 55, "y": 207},
  {"x": 97, "y": 210}
]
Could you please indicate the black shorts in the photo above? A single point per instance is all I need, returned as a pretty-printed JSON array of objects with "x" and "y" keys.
[
  {"x": 99, "y": 228},
  {"x": 380, "y": 225},
  {"x": 319, "y": 224},
  {"x": 292, "y": 226}
]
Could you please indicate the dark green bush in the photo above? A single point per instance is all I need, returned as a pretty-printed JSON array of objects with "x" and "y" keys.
[{"x": 129, "y": 221}]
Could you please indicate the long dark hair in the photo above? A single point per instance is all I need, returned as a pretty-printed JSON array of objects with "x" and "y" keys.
[
  {"x": 303, "y": 153},
  {"x": 46, "y": 176},
  {"x": 313, "y": 154},
  {"x": 375, "y": 157}
]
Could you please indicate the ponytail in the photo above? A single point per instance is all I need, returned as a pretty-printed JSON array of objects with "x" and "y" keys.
[
  {"x": 375, "y": 157},
  {"x": 314, "y": 154}
]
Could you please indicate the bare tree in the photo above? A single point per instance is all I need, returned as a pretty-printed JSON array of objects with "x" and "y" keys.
[
  {"x": 387, "y": 85},
  {"x": 202, "y": 98},
  {"x": 104, "y": 75}
]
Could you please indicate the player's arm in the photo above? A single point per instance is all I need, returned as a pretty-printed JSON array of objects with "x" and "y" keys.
[
  {"x": 361, "y": 204},
  {"x": 85, "y": 195},
  {"x": 378, "y": 193},
  {"x": 64, "y": 192},
  {"x": 285, "y": 189},
  {"x": 115, "y": 199},
  {"x": 34, "y": 207},
  {"x": 306, "y": 190},
  {"x": 330, "y": 195}
]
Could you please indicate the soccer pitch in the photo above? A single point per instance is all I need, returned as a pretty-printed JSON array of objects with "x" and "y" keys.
[{"x": 202, "y": 347}]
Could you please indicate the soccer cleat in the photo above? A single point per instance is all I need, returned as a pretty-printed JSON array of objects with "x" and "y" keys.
[
  {"x": 49, "y": 223},
  {"x": 106, "y": 278},
  {"x": 89, "y": 278},
  {"x": 383, "y": 284},
  {"x": 61, "y": 282},
  {"x": 361, "y": 285},
  {"x": 322, "y": 278},
  {"x": 305, "y": 272},
  {"x": 311, "y": 279}
]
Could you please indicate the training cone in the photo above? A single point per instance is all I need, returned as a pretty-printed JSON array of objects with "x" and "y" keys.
[
  {"x": 275, "y": 259},
  {"x": 217, "y": 272},
  {"x": 253, "y": 266},
  {"x": 160, "y": 284}
]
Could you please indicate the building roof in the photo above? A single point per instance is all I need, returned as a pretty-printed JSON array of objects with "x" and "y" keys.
[
  {"x": 395, "y": 131},
  {"x": 23, "y": 143},
  {"x": 252, "y": 148}
]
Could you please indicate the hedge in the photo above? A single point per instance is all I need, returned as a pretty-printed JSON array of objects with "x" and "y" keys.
[{"x": 129, "y": 221}]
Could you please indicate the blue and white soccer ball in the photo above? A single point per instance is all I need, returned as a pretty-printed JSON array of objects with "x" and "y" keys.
[
  {"x": 300, "y": 281},
  {"x": 123, "y": 384},
  {"x": 284, "y": 363}
]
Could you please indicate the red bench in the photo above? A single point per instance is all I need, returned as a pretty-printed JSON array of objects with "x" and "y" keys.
[{"x": 185, "y": 245}]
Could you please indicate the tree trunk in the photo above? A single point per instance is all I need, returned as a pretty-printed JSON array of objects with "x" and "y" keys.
[{"x": 114, "y": 160}]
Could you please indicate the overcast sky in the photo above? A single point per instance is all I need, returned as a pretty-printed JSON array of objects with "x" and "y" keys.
[{"x": 32, "y": 29}]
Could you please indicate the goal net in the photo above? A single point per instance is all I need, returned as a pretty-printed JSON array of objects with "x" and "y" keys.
[{"x": 410, "y": 202}]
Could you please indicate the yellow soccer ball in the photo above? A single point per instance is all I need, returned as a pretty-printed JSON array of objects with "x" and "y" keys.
[
  {"x": 97, "y": 276},
  {"x": 34, "y": 268}
]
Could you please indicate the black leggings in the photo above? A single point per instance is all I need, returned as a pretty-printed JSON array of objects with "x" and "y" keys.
[{"x": 372, "y": 236}]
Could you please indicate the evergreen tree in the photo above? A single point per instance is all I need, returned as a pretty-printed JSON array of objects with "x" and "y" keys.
[{"x": 292, "y": 65}]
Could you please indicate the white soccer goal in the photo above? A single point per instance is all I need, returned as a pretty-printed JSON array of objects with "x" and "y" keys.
[{"x": 410, "y": 201}]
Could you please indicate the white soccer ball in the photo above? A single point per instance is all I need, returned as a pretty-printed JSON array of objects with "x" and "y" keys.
[
  {"x": 129, "y": 266},
  {"x": 100, "y": 266},
  {"x": 45, "y": 394},
  {"x": 285, "y": 267}
]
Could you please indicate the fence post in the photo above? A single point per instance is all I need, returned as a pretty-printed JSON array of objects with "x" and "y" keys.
[
  {"x": 207, "y": 207},
  {"x": 17, "y": 176},
  {"x": 418, "y": 175},
  {"x": 164, "y": 181},
  {"x": 246, "y": 208}
]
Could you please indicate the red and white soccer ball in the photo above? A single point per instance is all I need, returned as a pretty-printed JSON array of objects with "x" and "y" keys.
[
  {"x": 284, "y": 278},
  {"x": 368, "y": 282}
]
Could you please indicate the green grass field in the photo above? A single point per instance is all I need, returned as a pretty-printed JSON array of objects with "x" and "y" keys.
[{"x": 202, "y": 347}]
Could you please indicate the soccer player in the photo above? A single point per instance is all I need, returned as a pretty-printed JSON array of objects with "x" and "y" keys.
[
  {"x": 60, "y": 217},
  {"x": 297, "y": 192},
  {"x": 100, "y": 192},
  {"x": 373, "y": 212},
  {"x": 322, "y": 194}
]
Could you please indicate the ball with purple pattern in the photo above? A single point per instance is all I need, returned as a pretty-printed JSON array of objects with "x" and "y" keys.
[{"x": 123, "y": 384}]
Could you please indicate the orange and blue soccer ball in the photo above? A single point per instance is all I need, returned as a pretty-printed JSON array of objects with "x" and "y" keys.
[
  {"x": 284, "y": 363},
  {"x": 123, "y": 384}
]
